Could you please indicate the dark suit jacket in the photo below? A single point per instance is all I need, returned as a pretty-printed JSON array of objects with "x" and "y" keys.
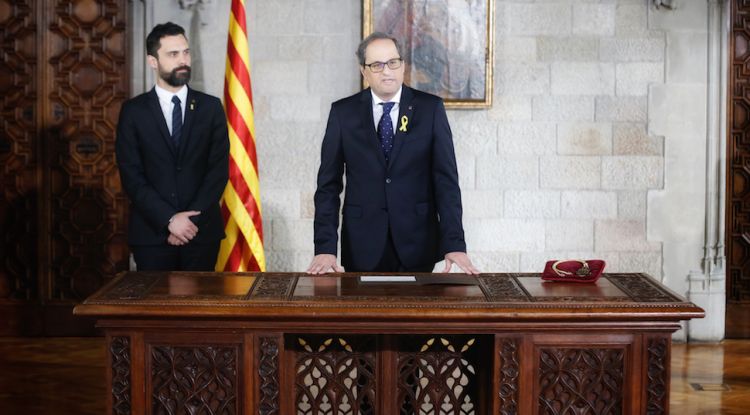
[
  {"x": 415, "y": 195},
  {"x": 161, "y": 180}
]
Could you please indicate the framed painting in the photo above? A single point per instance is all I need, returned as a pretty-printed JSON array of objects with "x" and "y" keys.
[{"x": 447, "y": 45}]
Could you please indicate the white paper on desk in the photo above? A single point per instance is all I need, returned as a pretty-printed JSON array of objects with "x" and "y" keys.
[{"x": 388, "y": 278}]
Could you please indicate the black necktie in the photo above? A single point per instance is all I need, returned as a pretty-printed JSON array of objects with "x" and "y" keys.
[
  {"x": 385, "y": 129},
  {"x": 176, "y": 121}
]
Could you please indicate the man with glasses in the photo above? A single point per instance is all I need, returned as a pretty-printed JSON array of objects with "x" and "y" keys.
[{"x": 402, "y": 209}]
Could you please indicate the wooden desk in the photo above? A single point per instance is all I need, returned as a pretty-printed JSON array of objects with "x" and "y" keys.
[{"x": 283, "y": 343}]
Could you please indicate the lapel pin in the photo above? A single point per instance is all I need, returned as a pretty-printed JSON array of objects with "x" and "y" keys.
[
  {"x": 404, "y": 123},
  {"x": 192, "y": 105}
]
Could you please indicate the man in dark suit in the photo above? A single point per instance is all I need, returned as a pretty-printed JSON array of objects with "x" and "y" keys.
[
  {"x": 173, "y": 154},
  {"x": 402, "y": 211}
]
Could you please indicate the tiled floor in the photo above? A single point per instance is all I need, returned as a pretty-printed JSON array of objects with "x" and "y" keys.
[{"x": 63, "y": 376}]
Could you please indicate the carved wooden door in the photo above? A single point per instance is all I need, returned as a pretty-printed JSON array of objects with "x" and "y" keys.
[
  {"x": 63, "y": 76},
  {"x": 738, "y": 176}
]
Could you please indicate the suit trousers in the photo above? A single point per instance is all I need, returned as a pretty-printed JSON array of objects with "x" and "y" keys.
[
  {"x": 190, "y": 257},
  {"x": 390, "y": 261}
]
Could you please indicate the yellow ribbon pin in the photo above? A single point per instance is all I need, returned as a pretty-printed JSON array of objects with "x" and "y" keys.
[{"x": 404, "y": 122}]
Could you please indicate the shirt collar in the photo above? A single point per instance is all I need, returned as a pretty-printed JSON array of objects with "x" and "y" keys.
[
  {"x": 166, "y": 96},
  {"x": 396, "y": 98}
]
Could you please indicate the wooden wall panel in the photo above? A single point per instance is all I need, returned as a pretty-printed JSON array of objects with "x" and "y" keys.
[
  {"x": 738, "y": 175},
  {"x": 87, "y": 83},
  {"x": 63, "y": 77},
  {"x": 18, "y": 150}
]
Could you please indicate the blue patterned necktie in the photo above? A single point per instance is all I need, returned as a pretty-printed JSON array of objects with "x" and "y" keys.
[
  {"x": 385, "y": 129},
  {"x": 176, "y": 121}
]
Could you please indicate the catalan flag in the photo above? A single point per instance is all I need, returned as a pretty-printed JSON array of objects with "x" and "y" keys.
[{"x": 242, "y": 249}]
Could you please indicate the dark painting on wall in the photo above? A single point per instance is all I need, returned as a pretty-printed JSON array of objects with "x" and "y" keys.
[{"x": 447, "y": 45}]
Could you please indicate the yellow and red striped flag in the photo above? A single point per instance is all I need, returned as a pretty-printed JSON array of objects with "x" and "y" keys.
[{"x": 242, "y": 249}]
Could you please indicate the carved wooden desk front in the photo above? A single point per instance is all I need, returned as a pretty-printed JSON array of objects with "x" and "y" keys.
[{"x": 283, "y": 343}]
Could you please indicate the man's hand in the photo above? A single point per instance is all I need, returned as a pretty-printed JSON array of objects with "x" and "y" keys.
[
  {"x": 182, "y": 227},
  {"x": 324, "y": 263},
  {"x": 460, "y": 259},
  {"x": 172, "y": 240}
]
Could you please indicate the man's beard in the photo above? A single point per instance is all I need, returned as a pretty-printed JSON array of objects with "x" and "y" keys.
[{"x": 176, "y": 78}]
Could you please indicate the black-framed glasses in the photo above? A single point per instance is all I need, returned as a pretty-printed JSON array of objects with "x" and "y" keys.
[{"x": 379, "y": 66}]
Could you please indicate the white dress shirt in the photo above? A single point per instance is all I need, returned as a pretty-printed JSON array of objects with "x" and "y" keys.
[
  {"x": 167, "y": 106},
  {"x": 377, "y": 109}
]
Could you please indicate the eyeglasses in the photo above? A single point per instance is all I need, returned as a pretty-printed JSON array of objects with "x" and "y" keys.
[{"x": 379, "y": 66}]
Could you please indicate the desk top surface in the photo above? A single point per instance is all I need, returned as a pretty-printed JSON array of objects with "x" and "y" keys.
[{"x": 343, "y": 296}]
